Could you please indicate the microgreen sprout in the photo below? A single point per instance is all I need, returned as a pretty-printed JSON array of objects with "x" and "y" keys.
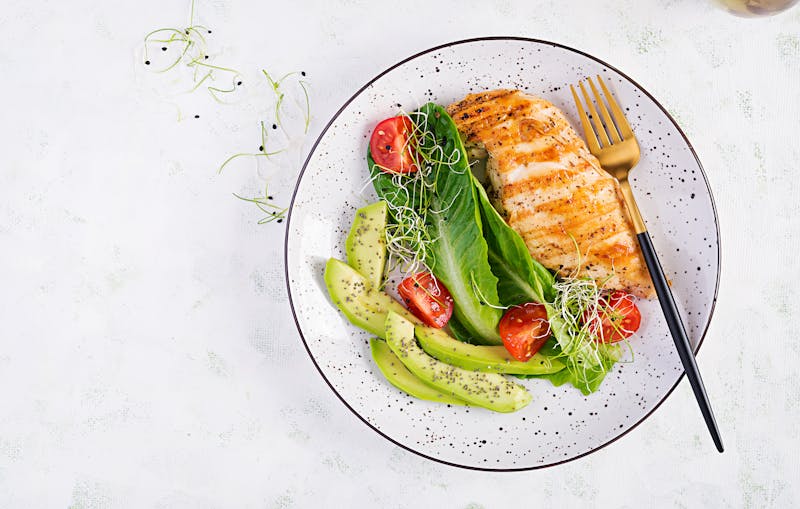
[
  {"x": 483, "y": 300},
  {"x": 580, "y": 307},
  {"x": 264, "y": 203},
  {"x": 266, "y": 147},
  {"x": 192, "y": 51},
  {"x": 280, "y": 96},
  {"x": 262, "y": 149},
  {"x": 410, "y": 198}
]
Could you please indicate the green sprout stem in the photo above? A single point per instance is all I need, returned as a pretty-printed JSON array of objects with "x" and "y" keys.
[
  {"x": 272, "y": 211},
  {"x": 264, "y": 203},
  {"x": 193, "y": 53}
]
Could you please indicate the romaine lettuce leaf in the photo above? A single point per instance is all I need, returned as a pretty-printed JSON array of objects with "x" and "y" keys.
[
  {"x": 457, "y": 254},
  {"x": 586, "y": 380},
  {"x": 521, "y": 278},
  {"x": 481, "y": 260}
]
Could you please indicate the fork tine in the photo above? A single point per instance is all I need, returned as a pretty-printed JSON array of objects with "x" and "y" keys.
[
  {"x": 619, "y": 116},
  {"x": 595, "y": 117},
  {"x": 591, "y": 138},
  {"x": 603, "y": 111}
]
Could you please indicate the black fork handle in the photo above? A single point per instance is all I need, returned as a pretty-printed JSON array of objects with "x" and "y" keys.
[{"x": 679, "y": 336}]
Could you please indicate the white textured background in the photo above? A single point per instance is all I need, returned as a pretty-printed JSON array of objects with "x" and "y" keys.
[{"x": 147, "y": 354}]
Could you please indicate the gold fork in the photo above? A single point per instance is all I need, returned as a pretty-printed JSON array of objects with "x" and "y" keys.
[{"x": 618, "y": 152}]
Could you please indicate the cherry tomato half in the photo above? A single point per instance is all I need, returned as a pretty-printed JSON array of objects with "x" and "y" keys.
[
  {"x": 524, "y": 330},
  {"x": 427, "y": 298},
  {"x": 389, "y": 145},
  {"x": 618, "y": 317}
]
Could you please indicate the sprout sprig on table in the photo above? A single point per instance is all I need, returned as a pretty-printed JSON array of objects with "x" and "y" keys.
[
  {"x": 290, "y": 93},
  {"x": 266, "y": 147},
  {"x": 192, "y": 52}
]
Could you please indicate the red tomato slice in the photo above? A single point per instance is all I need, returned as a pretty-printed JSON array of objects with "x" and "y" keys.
[
  {"x": 389, "y": 145},
  {"x": 618, "y": 317},
  {"x": 524, "y": 330},
  {"x": 427, "y": 298}
]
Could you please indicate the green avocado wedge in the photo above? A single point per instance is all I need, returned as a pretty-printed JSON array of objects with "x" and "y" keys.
[
  {"x": 486, "y": 359},
  {"x": 399, "y": 375},
  {"x": 355, "y": 296},
  {"x": 366, "y": 244},
  {"x": 487, "y": 390}
]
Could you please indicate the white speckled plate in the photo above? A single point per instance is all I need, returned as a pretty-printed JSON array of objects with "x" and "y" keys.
[{"x": 560, "y": 424}]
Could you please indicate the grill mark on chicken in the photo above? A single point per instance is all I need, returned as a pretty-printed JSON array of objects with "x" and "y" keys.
[{"x": 551, "y": 189}]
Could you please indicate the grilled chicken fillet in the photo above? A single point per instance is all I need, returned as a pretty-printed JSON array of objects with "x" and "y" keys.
[{"x": 552, "y": 190}]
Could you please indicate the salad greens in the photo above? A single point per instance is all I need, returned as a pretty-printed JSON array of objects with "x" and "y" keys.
[
  {"x": 454, "y": 247},
  {"x": 267, "y": 148},
  {"x": 459, "y": 254},
  {"x": 521, "y": 278},
  {"x": 191, "y": 49},
  {"x": 441, "y": 217}
]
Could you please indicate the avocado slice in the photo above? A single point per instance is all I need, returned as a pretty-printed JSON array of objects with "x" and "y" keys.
[
  {"x": 486, "y": 359},
  {"x": 399, "y": 375},
  {"x": 363, "y": 305},
  {"x": 488, "y": 390},
  {"x": 366, "y": 244}
]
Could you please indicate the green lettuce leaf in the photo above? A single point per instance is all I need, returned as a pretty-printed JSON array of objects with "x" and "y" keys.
[
  {"x": 457, "y": 254},
  {"x": 459, "y": 332},
  {"x": 588, "y": 379},
  {"x": 385, "y": 187},
  {"x": 480, "y": 259},
  {"x": 521, "y": 278}
]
